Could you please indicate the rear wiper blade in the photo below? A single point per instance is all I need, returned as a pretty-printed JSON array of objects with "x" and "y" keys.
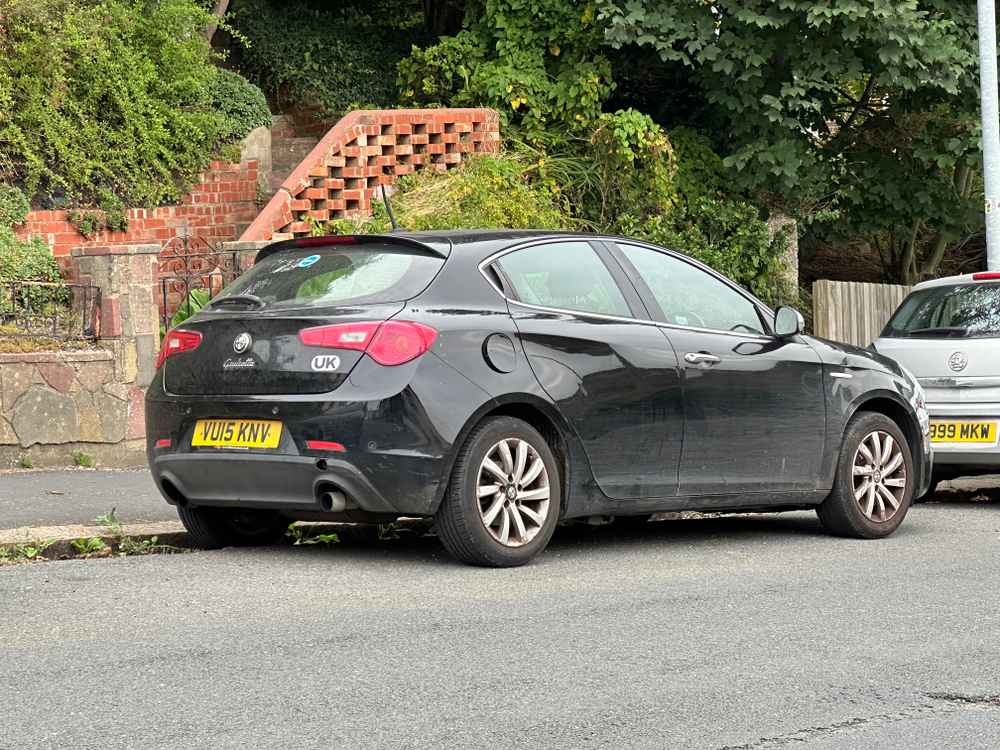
[{"x": 237, "y": 299}]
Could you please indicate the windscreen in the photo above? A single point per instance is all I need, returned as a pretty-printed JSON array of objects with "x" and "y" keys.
[
  {"x": 960, "y": 311},
  {"x": 337, "y": 275}
]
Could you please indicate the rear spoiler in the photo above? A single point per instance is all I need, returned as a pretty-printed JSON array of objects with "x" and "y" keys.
[{"x": 439, "y": 248}]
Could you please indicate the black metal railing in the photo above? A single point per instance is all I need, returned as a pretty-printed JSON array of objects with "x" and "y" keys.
[{"x": 49, "y": 310}]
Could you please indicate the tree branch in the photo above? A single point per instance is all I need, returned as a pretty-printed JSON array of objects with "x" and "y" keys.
[{"x": 221, "y": 6}]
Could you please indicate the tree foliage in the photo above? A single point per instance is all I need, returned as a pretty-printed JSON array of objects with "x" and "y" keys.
[
  {"x": 537, "y": 62},
  {"x": 862, "y": 114}
]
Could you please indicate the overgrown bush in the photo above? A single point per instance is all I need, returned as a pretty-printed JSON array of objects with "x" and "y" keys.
[
  {"x": 242, "y": 104},
  {"x": 485, "y": 192},
  {"x": 106, "y": 101},
  {"x": 329, "y": 59}
]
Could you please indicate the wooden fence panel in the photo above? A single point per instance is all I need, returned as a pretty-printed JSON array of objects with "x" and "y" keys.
[{"x": 854, "y": 312}]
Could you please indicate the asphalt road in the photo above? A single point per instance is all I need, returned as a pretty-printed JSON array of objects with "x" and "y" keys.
[
  {"x": 740, "y": 632},
  {"x": 78, "y": 496}
]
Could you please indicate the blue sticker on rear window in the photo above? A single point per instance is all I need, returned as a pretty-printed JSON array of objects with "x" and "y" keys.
[{"x": 308, "y": 261}]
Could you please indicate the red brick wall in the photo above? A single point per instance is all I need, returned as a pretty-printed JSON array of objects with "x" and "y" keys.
[
  {"x": 218, "y": 208},
  {"x": 365, "y": 149}
]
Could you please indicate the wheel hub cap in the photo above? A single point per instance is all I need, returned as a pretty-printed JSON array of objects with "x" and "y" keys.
[
  {"x": 513, "y": 490},
  {"x": 879, "y": 473}
]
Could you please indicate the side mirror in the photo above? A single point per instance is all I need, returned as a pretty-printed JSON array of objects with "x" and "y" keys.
[{"x": 788, "y": 322}]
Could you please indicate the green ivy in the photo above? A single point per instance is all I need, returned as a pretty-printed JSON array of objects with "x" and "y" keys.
[
  {"x": 328, "y": 59},
  {"x": 106, "y": 101}
]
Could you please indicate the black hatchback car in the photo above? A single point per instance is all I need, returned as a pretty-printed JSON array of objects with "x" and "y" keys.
[{"x": 502, "y": 381}]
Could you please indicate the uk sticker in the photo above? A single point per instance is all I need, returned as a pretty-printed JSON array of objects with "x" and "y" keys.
[
  {"x": 308, "y": 261},
  {"x": 326, "y": 363}
]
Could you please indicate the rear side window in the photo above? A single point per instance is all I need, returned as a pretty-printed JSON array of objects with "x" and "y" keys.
[
  {"x": 338, "y": 275},
  {"x": 959, "y": 311},
  {"x": 564, "y": 275}
]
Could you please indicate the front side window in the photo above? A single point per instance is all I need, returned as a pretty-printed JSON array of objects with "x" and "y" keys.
[
  {"x": 688, "y": 296},
  {"x": 959, "y": 311},
  {"x": 564, "y": 275}
]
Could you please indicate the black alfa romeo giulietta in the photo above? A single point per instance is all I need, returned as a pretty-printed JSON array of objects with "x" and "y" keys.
[{"x": 502, "y": 381}]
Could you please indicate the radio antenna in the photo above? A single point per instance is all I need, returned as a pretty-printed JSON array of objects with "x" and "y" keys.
[{"x": 388, "y": 208}]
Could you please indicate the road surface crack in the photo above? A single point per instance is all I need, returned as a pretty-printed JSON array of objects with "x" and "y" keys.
[{"x": 938, "y": 703}]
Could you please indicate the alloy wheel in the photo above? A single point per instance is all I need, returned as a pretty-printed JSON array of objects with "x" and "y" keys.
[
  {"x": 513, "y": 492},
  {"x": 879, "y": 473}
]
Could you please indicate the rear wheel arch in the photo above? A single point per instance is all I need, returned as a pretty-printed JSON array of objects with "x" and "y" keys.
[{"x": 539, "y": 415}]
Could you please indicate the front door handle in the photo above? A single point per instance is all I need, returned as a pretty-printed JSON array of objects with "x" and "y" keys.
[{"x": 701, "y": 358}]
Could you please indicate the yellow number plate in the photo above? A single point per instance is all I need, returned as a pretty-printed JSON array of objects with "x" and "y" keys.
[
  {"x": 236, "y": 433},
  {"x": 963, "y": 432}
]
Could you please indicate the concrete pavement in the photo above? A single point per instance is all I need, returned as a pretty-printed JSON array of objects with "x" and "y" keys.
[{"x": 744, "y": 632}]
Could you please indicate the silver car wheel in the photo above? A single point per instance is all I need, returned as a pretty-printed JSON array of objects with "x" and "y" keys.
[
  {"x": 513, "y": 492},
  {"x": 879, "y": 476}
]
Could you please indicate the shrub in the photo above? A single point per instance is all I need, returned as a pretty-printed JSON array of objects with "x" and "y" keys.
[
  {"x": 485, "y": 192},
  {"x": 107, "y": 101},
  {"x": 242, "y": 104},
  {"x": 26, "y": 260},
  {"x": 13, "y": 206}
]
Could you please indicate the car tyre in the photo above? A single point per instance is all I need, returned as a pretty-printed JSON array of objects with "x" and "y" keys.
[
  {"x": 854, "y": 507},
  {"x": 213, "y": 528},
  {"x": 480, "y": 510}
]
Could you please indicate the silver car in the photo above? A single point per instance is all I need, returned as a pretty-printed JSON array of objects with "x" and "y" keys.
[{"x": 947, "y": 333}]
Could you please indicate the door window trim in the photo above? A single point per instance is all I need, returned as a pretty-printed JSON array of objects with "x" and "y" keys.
[{"x": 601, "y": 242}]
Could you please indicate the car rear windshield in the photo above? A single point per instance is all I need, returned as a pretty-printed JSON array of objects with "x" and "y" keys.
[
  {"x": 338, "y": 275},
  {"x": 959, "y": 311}
]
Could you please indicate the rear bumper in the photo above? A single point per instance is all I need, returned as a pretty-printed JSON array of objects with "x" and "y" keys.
[{"x": 291, "y": 483}]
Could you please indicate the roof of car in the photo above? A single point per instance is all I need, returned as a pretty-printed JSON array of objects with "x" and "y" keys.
[
  {"x": 441, "y": 242},
  {"x": 966, "y": 278}
]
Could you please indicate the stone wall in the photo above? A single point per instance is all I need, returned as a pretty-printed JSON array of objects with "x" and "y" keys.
[{"x": 57, "y": 404}]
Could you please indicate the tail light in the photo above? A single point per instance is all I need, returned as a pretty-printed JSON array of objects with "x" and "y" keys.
[
  {"x": 986, "y": 276},
  {"x": 393, "y": 342},
  {"x": 176, "y": 342}
]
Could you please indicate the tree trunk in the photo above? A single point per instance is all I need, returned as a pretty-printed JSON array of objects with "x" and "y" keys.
[{"x": 221, "y": 6}]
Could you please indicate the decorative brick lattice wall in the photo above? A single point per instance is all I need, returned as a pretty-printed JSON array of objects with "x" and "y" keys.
[
  {"x": 218, "y": 208},
  {"x": 340, "y": 177}
]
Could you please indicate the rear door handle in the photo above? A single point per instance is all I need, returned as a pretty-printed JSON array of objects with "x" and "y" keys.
[{"x": 701, "y": 358}]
